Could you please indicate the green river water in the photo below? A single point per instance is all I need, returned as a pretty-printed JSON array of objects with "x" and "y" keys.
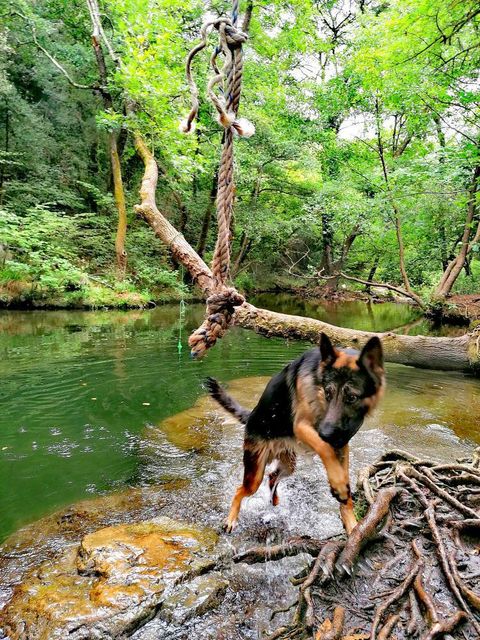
[{"x": 79, "y": 388}]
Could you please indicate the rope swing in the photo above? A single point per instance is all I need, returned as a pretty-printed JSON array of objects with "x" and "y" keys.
[{"x": 224, "y": 90}]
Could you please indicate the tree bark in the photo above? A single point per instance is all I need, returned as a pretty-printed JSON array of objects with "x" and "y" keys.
[
  {"x": 121, "y": 207},
  {"x": 460, "y": 354},
  {"x": 396, "y": 210},
  {"x": 455, "y": 267}
]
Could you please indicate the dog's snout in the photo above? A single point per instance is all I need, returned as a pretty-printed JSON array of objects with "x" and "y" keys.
[{"x": 330, "y": 433}]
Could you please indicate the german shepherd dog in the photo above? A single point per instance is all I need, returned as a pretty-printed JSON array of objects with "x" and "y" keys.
[{"x": 319, "y": 401}]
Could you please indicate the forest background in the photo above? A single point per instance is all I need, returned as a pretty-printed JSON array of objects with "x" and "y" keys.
[{"x": 365, "y": 163}]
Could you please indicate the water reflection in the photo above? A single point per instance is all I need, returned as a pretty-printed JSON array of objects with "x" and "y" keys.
[{"x": 358, "y": 314}]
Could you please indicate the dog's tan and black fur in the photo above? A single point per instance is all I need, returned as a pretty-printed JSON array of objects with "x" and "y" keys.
[{"x": 319, "y": 401}]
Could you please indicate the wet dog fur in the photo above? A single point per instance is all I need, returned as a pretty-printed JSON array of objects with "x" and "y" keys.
[{"x": 319, "y": 400}]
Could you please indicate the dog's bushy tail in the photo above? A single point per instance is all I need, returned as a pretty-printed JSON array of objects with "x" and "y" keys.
[{"x": 219, "y": 394}]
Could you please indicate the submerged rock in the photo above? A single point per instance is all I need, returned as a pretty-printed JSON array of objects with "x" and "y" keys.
[
  {"x": 46, "y": 538},
  {"x": 111, "y": 584},
  {"x": 192, "y": 429}
]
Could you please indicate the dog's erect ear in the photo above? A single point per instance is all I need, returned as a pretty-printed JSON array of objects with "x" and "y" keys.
[
  {"x": 327, "y": 350},
  {"x": 371, "y": 358}
]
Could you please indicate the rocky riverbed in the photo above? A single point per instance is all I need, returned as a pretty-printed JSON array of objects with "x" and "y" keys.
[{"x": 150, "y": 561}]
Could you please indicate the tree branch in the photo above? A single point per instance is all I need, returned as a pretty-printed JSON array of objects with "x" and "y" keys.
[
  {"x": 459, "y": 353},
  {"x": 380, "y": 285},
  {"x": 53, "y": 60}
]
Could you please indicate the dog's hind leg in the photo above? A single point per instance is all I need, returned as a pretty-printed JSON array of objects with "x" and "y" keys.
[
  {"x": 254, "y": 462},
  {"x": 286, "y": 462}
]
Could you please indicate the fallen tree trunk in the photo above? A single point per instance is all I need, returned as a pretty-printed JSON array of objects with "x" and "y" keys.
[
  {"x": 458, "y": 354},
  {"x": 451, "y": 354}
]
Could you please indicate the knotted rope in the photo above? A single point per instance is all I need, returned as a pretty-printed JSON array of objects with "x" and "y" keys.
[{"x": 224, "y": 90}]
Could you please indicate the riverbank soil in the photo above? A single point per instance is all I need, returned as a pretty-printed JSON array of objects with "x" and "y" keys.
[
  {"x": 456, "y": 310},
  {"x": 24, "y": 295},
  {"x": 467, "y": 305},
  {"x": 409, "y": 569}
]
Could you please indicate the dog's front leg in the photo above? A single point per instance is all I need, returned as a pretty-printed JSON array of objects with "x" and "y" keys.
[
  {"x": 346, "y": 510},
  {"x": 336, "y": 472}
]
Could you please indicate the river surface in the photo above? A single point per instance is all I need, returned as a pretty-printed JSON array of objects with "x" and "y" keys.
[{"x": 82, "y": 392}]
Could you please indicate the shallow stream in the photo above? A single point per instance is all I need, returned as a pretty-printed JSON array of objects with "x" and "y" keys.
[
  {"x": 93, "y": 403},
  {"x": 79, "y": 391}
]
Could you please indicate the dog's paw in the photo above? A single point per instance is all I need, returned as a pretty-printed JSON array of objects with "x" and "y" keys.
[
  {"x": 343, "y": 569},
  {"x": 341, "y": 492},
  {"x": 229, "y": 525}
]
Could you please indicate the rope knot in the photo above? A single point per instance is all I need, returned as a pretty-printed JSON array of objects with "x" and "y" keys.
[
  {"x": 228, "y": 78},
  {"x": 224, "y": 90},
  {"x": 233, "y": 36},
  {"x": 220, "y": 310},
  {"x": 226, "y": 300}
]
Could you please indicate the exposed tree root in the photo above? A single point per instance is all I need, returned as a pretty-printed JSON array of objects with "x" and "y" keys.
[
  {"x": 441, "y": 628},
  {"x": 395, "y": 597},
  {"x": 366, "y": 529},
  {"x": 409, "y": 569},
  {"x": 291, "y": 548}
]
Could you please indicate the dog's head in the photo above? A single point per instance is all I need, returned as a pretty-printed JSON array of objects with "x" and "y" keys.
[{"x": 352, "y": 384}]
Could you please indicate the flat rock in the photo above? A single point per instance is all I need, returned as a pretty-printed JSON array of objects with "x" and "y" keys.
[
  {"x": 44, "y": 539},
  {"x": 109, "y": 585},
  {"x": 194, "y": 598}
]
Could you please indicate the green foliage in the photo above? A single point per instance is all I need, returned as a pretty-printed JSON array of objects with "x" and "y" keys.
[
  {"x": 245, "y": 282},
  {"x": 324, "y": 82}
]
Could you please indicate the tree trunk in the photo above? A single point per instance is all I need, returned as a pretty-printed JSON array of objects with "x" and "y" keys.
[
  {"x": 113, "y": 137},
  {"x": 327, "y": 264},
  {"x": 442, "y": 232},
  {"x": 396, "y": 210},
  {"x": 401, "y": 248},
  {"x": 455, "y": 267},
  {"x": 182, "y": 209},
  {"x": 119, "y": 194},
  {"x": 245, "y": 246},
  {"x": 468, "y": 267},
  {"x": 118, "y": 190},
  {"x": 327, "y": 243},
  {"x": 461, "y": 353},
  {"x": 7, "y": 149},
  {"x": 371, "y": 273},
  {"x": 335, "y": 268}
]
